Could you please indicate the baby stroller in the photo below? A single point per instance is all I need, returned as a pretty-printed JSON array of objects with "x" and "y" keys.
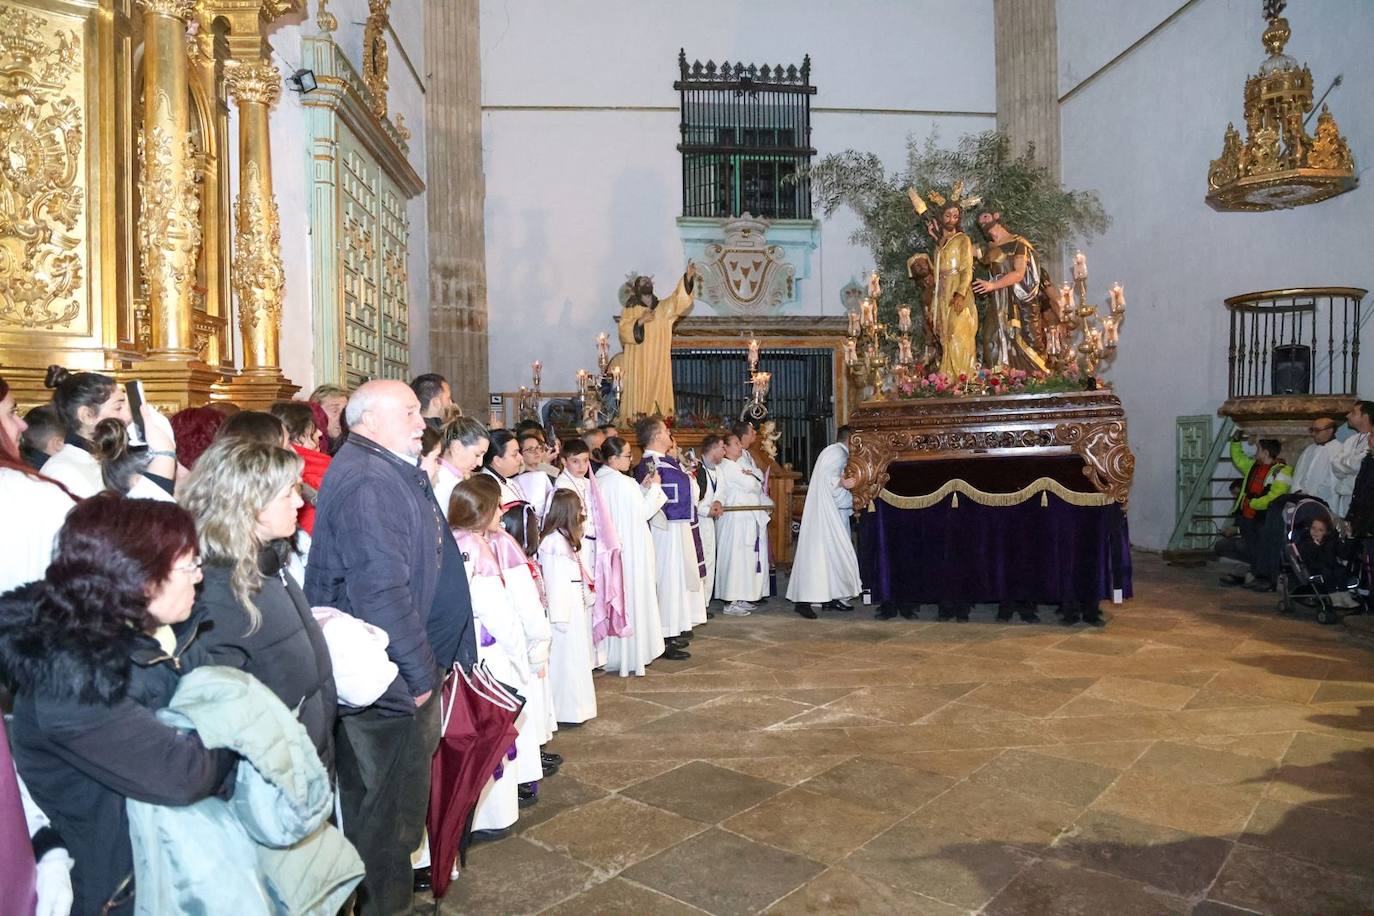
[{"x": 1328, "y": 571}]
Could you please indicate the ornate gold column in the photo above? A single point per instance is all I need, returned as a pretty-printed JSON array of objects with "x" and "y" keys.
[
  {"x": 169, "y": 219},
  {"x": 256, "y": 274},
  {"x": 169, "y": 216}
]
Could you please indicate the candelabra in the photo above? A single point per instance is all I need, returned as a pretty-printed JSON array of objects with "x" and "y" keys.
[
  {"x": 527, "y": 403},
  {"x": 865, "y": 352},
  {"x": 1098, "y": 335},
  {"x": 758, "y": 382}
]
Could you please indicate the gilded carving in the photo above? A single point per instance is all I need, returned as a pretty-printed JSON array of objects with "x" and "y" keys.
[
  {"x": 325, "y": 19},
  {"x": 169, "y": 206},
  {"x": 1329, "y": 149},
  {"x": 41, "y": 201},
  {"x": 1090, "y": 424},
  {"x": 258, "y": 275},
  {"x": 180, "y": 9},
  {"x": 375, "y": 54},
  {"x": 1107, "y": 460},
  {"x": 253, "y": 81}
]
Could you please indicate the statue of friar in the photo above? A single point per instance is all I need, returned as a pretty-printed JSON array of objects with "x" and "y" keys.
[{"x": 646, "y": 336}]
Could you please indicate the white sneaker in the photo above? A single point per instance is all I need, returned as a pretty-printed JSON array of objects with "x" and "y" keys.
[
  {"x": 737, "y": 609},
  {"x": 748, "y": 604}
]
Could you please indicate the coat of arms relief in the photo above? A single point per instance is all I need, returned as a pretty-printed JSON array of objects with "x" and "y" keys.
[{"x": 744, "y": 274}]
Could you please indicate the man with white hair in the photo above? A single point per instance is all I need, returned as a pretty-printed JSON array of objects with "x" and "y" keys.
[{"x": 382, "y": 552}]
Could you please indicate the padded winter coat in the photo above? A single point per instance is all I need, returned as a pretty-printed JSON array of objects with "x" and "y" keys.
[
  {"x": 287, "y": 651},
  {"x": 268, "y": 849}
]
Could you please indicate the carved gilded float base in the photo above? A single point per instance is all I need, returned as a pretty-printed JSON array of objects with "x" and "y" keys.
[{"x": 1088, "y": 424}]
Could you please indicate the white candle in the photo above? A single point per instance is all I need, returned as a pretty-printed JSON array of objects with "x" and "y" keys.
[
  {"x": 851, "y": 352},
  {"x": 904, "y": 319},
  {"x": 853, "y": 324},
  {"x": 581, "y": 379},
  {"x": 1080, "y": 266},
  {"x": 615, "y": 378},
  {"x": 753, "y": 355},
  {"x": 1066, "y": 298},
  {"x": 904, "y": 351},
  {"x": 761, "y": 380},
  {"x": 538, "y": 367},
  {"x": 1118, "y": 296},
  {"x": 603, "y": 351}
]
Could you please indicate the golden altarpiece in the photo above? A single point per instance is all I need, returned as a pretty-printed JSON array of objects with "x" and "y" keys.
[{"x": 124, "y": 247}]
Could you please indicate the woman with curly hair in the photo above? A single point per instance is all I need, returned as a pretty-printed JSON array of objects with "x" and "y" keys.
[
  {"x": 92, "y": 650},
  {"x": 244, "y": 497}
]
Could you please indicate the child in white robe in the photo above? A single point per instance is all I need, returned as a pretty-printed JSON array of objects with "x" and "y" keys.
[{"x": 570, "y": 590}]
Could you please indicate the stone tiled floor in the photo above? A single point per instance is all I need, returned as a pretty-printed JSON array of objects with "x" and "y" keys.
[{"x": 1199, "y": 755}]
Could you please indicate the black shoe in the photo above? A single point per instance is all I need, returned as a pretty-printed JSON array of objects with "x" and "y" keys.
[
  {"x": 527, "y": 794},
  {"x": 805, "y": 610},
  {"x": 422, "y": 879},
  {"x": 885, "y": 613},
  {"x": 1030, "y": 617},
  {"x": 1232, "y": 581},
  {"x": 550, "y": 769},
  {"x": 1095, "y": 619},
  {"x": 1069, "y": 620},
  {"x": 547, "y": 757},
  {"x": 1004, "y": 616},
  {"x": 908, "y": 612},
  {"x": 710, "y": 615},
  {"x": 1261, "y": 585},
  {"x": 487, "y": 836},
  {"x": 674, "y": 654},
  {"x": 837, "y": 605},
  {"x": 961, "y": 618}
]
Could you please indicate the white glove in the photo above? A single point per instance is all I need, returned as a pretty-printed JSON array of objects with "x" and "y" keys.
[
  {"x": 539, "y": 653},
  {"x": 159, "y": 429},
  {"x": 54, "y": 883}
]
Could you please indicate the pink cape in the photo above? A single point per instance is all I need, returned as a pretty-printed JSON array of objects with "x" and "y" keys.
[{"x": 608, "y": 614}]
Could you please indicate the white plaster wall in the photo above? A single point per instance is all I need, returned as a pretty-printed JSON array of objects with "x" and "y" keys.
[
  {"x": 580, "y": 128},
  {"x": 1142, "y": 134},
  {"x": 291, "y": 176}
]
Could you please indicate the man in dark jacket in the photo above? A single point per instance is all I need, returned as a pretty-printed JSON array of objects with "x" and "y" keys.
[{"x": 382, "y": 552}]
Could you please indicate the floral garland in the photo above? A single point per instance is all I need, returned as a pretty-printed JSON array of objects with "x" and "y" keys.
[{"x": 917, "y": 382}]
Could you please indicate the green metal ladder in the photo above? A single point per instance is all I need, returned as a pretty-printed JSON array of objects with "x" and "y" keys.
[{"x": 1204, "y": 511}]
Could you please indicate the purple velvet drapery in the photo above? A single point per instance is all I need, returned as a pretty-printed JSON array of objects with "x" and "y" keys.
[{"x": 1050, "y": 554}]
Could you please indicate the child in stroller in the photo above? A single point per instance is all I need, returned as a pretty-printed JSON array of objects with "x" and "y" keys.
[{"x": 1321, "y": 571}]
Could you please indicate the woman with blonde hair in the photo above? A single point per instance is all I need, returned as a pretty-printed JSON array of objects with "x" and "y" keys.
[{"x": 244, "y": 496}]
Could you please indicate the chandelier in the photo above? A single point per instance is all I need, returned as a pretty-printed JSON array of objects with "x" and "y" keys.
[{"x": 1279, "y": 165}]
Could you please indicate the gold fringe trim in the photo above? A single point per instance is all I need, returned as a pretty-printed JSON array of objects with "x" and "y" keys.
[{"x": 1044, "y": 486}]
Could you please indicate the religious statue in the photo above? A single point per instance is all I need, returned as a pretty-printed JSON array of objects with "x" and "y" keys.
[
  {"x": 1012, "y": 320},
  {"x": 919, "y": 269},
  {"x": 956, "y": 323},
  {"x": 646, "y": 335}
]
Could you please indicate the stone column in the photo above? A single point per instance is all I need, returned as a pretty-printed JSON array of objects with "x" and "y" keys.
[
  {"x": 1027, "y": 55},
  {"x": 256, "y": 272},
  {"x": 169, "y": 227},
  {"x": 454, "y": 202}
]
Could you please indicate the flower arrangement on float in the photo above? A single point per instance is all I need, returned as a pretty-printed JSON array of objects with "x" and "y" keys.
[{"x": 917, "y": 382}]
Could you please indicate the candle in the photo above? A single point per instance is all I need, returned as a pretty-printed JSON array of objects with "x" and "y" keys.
[
  {"x": 581, "y": 379},
  {"x": 851, "y": 352},
  {"x": 1066, "y": 299},
  {"x": 904, "y": 319},
  {"x": 538, "y": 367},
  {"x": 869, "y": 312},
  {"x": 875, "y": 286},
  {"x": 1054, "y": 340},
  {"x": 853, "y": 324},
  {"x": 603, "y": 351},
  {"x": 753, "y": 355},
  {"x": 615, "y": 379},
  {"x": 1110, "y": 333},
  {"x": 761, "y": 381},
  {"x": 1118, "y": 297},
  {"x": 904, "y": 351},
  {"x": 1080, "y": 266}
]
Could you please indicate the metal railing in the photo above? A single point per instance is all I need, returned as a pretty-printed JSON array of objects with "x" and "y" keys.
[{"x": 1294, "y": 341}]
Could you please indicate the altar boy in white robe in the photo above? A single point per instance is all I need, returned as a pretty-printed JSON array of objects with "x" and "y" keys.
[
  {"x": 825, "y": 569},
  {"x": 709, "y": 508},
  {"x": 741, "y": 534},
  {"x": 677, "y": 546}
]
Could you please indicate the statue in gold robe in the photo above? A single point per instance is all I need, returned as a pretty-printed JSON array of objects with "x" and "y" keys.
[
  {"x": 646, "y": 336},
  {"x": 956, "y": 321}
]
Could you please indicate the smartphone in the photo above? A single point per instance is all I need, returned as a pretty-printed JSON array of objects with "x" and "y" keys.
[{"x": 138, "y": 435}]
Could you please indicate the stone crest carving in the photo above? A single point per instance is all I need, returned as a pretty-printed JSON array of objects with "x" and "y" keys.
[
  {"x": 41, "y": 200},
  {"x": 744, "y": 274}
]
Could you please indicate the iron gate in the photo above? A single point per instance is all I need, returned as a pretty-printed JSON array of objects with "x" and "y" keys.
[{"x": 711, "y": 382}]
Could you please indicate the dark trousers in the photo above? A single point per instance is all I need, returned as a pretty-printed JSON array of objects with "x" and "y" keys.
[
  {"x": 1245, "y": 547},
  {"x": 383, "y": 763}
]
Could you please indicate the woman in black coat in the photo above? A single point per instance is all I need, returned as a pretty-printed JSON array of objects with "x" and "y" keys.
[
  {"x": 244, "y": 497},
  {"x": 91, "y": 651}
]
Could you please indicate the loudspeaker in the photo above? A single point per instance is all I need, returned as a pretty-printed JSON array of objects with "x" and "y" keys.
[{"x": 1292, "y": 369}]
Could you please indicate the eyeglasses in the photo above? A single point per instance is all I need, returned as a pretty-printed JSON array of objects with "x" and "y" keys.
[
  {"x": 190, "y": 568},
  {"x": 1319, "y": 429}
]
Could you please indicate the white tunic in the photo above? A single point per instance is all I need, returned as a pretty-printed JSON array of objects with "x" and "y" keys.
[
  {"x": 572, "y": 656},
  {"x": 741, "y": 537},
  {"x": 443, "y": 487},
  {"x": 77, "y": 470},
  {"x": 591, "y": 539},
  {"x": 679, "y": 584},
  {"x": 498, "y": 805},
  {"x": 631, "y": 507},
  {"x": 825, "y": 566},
  {"x": 1345, "y": 465},
  {"x": 537, "y": 488},
  {"x": 34, "y": 513},
  {"x": 707, "y": 525},
  {"x": 1315, "y": 474},
  {"x": 698, "y": 595}
]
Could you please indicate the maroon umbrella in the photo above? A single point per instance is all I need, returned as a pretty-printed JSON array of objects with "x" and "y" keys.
[{"x": 479, "y": 716}]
